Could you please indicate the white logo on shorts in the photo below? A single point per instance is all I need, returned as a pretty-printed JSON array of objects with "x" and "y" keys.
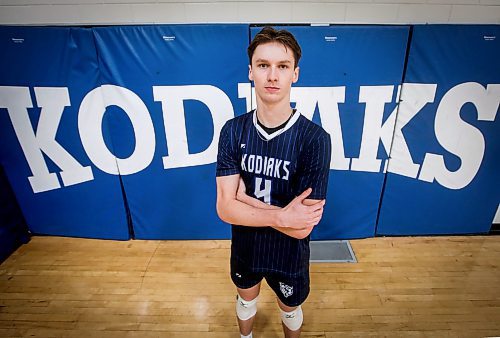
[{"x": 286, "y": 290}]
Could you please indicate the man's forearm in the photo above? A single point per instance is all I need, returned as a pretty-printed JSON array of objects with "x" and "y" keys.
[
  {"x": 254, "y": 202},
  {"x": 296, "y": 215},
  {"x": 261, "y": 205},
  {"x": 248, "y": 213}
]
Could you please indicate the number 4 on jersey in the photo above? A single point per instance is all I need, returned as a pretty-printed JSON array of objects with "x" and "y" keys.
[{"x": 266, "y": 192}]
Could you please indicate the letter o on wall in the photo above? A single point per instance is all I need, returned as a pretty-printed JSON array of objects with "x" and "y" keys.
[{"x": 90, "y": 118}]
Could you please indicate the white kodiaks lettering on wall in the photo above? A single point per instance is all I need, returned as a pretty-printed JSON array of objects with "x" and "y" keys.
[
  {"x": 414, "y": 96},
  {"x": 172, "y": 101},
  {"x": 247, "y": 92},
  {"x": 327, "y": 99},
  {"x": 454, "y": 134},
  {"x": 375, "y": 98},
  {"x": 458, "y": 137},
  {"x": 52, "y": 102},
  {"x": 90, "y": 118}
]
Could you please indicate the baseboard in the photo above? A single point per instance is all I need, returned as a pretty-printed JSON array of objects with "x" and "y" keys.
[{"x": 495, "y": 229}]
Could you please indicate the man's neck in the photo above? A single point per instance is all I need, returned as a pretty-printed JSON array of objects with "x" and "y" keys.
[{"x": 273, "y": 115}]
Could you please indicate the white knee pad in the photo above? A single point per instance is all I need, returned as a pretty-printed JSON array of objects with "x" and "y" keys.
[
  {"x": 293, "y": 320},
  {"x": 245, "y": 309}
]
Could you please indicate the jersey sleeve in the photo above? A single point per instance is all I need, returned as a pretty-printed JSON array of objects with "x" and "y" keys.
[
  {"x": 227, "y": 155},
  {"x": 315, "y": 167}
]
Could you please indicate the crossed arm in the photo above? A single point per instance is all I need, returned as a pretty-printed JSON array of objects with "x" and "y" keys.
[{"x": 297, "y": 219}]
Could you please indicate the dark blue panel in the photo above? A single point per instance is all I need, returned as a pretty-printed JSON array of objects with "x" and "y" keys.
[
  {"x": 57, "y": 57},
  {"x": 350, "y": 57},
  {"x": 447, "y": 55},
  {"x": 177, "y": 202},
  {"x": 13, "y": 228}
]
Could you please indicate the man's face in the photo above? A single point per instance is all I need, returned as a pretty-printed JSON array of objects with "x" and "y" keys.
[{"x": 273, "y": 72}]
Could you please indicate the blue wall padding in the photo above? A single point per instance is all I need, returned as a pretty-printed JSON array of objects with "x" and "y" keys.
[
  {"x": 57, "y": 57},
  {"x": 174, "y": 203},
  {"x": 13, "y": 228},
  {"x": 449, "y": 56},
  {"x": 129, "y": 116},
  {"x": 351, "y": 57}
]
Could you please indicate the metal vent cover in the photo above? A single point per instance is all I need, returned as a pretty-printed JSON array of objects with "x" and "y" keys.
[{"x": 332, "y": 252}]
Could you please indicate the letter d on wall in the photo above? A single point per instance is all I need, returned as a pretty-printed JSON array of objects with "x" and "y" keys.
[{"x": 172, "y": 102}]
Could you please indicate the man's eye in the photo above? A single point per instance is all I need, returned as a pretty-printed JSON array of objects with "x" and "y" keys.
[
  {"x": 262, "y": 65},
  {"x": 283, "y": 67}
]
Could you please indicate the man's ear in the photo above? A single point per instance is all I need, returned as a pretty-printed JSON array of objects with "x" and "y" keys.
[
  {"x": 250, "y": 75},
  {"x": 296, "y": 74}
]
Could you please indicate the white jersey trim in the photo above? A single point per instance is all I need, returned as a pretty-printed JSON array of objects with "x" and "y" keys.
[{"x": 267, "y": 136}]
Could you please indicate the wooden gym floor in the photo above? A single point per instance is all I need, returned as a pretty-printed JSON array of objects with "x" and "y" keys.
[{"x": 400, "y": 287}]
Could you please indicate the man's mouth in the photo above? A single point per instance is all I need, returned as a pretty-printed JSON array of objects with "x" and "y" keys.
[{"x": 272, "y": 89}]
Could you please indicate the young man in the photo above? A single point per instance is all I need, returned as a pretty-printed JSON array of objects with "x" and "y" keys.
[{"x": 272, "y": 176}]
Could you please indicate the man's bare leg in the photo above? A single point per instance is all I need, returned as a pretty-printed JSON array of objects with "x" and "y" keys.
[
  {"x": 288, "y": 333},
  {"x": 248, "y": 295}
]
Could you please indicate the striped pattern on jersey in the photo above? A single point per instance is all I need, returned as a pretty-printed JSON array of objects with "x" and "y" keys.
[{"x": 275, "y": 168}]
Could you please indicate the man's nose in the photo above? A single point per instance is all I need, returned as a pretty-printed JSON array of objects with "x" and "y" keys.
[{"x": 272, "y": 74}]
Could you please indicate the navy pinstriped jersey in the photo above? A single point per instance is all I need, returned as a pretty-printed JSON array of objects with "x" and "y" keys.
[{"x": 275, "y": 168}]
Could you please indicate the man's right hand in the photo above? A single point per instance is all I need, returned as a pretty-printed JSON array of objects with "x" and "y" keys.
[
  {"x": 296, "y": 220},
  {"x": 301, "y": 214}
]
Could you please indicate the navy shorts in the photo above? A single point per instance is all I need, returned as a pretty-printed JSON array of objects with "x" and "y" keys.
[{"x": 292, "y": 290}]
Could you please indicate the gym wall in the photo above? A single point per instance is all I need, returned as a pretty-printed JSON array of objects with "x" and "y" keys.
[
  {"x": 111, "y": 132},
  {"x": 127, "y": 12}
]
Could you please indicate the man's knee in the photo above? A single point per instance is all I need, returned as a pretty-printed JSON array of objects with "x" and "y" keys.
[
  {"x": 246, "y": 309},
  {"x": 293, "y": 319}
]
